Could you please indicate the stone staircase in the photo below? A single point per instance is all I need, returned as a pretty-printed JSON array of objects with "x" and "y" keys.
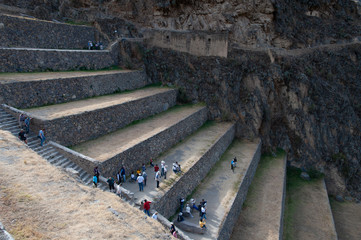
[{"x": 9, "y": 123}]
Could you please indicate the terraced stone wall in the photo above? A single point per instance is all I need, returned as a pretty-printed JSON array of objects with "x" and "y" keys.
[
  {"x": 30, "y": 60},
  {"x": 74, "y": 129},
  {"x": 231, "y": 218},
  {"x": 31, "y": 33},
  {"x": 135, "y": 156},
  {"x": 168, "y": 204},
  {"x": 39, "y": 93}
]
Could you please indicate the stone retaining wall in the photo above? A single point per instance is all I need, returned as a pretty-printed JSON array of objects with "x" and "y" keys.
[
  {"x": 231, "y": 218},
  {"x": 169, "y": 202},
  {"x": 29, "y": 60},
  {"x": 34, "y": 33},
  {"x": 86, "y": 163},
  {"x": 135, "y": 156},
  {"x": 74, "y": 129},
  {"x": 53, "y": 91}
]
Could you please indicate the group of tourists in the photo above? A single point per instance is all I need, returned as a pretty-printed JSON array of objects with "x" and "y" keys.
[
  {"x": 24, "y": 125},
  {"x": 95, "y": 46},
  {"x": 202, "y": 208}
]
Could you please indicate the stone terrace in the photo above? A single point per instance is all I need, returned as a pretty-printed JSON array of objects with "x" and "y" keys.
[
  {"x": 75, "y": 122},
  {"x": 36, "y": 59},
  {"x": 58, "y": 87},
  {"x": 138, "y": 143}
]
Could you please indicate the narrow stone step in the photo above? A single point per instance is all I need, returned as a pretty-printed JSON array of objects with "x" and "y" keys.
[
  {"x": 308, "y": 213},
  {"x": 50, "y": 154},
  {"x": 61, "y": 161},
  {"x": 44, "y": 150},
  {"x": 6, "y": 118},
  {"x": 225, "y": 190},
  {"x": 8, "y": 124},
  {"x": 112, "y": 111},
  {"x": 262, "y": 213},
  {"x": 136, "y": 143},
  {"x": 82, "y": 174},
  {"x": 61, "y": 87},
  {"x": 55, "y": 159}
]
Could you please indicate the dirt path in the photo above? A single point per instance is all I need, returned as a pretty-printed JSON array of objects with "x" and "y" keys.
[
  {"x": 91, "y": 104},
  {"x": 308, "y": 214},
  {"x": 111, "y": 144},
  {"x": 186, "y": 153},
  {"x": 41, "y": 76},
  {"x": 347, "y": 216},
  {"x": 261, "y": 214},
  {"x": 40, "y": 201},
  {"x": 221, "y": 185}
]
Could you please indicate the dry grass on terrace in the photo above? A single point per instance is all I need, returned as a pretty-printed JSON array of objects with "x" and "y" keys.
[{"x": 40, "y": 201}]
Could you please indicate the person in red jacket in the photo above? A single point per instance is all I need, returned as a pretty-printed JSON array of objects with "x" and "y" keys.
[
  {"x": 156, "y": 168},
  {"x": 146, "y": 207}
]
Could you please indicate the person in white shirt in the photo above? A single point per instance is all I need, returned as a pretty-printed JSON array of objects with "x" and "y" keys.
[
  {"x": 140, "y": 180},
  {"x": 188, "y": 210},
  {"x": 155, "y": 215}
]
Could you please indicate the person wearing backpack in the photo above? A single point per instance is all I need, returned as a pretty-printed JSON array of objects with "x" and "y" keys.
[{"x": 157, "y": 178}]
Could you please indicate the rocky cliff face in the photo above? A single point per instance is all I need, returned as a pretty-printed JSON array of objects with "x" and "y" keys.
[
  {"x": 305, "y": 101},
  {"x": 256, "y": 23}
]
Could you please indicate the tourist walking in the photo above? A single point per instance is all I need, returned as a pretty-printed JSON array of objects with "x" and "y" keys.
[
  {"x": 188, "y": 210},
  {"x": 156, "y": 168},
  {"x": 27, "y": 125},
  {"x": 202, "y": 223},
  {"x": 145, "y": 176},
  {"x": 122, "y": 172},
  {"x": 119, "y": 177},
  {"x": 95, "y": 181},
  {"x": 22, "y": 136},
  {"x": 146, "y": 207},
  {"x": 157, "y": 178},
  {"x": 111, "y": 184},
  {"x": 143, "y": 168},
  {"x": 96, "y": 173},
  {"x": 172, "y": 228},
  {"x": 151, "y": 163},
  {"x": 181, "y": 203},
  {"x": 203, "y": 212},
  {"x": 42, "y": 136},
  {"x": 140, "y": 180},
  {"x": 162, "y": 164},
  {"x": 22, "y": 118},
  {"x": 165, "y": 171}
]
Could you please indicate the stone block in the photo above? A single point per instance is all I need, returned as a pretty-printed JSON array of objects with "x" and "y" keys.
[{"x": 190, "y": 227}]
